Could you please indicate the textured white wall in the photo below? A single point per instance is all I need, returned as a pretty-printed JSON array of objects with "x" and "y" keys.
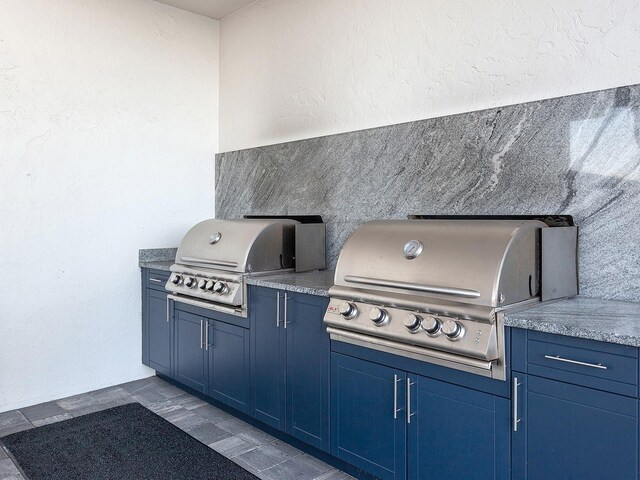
[
  {"x": 293, "y": 69},
  {"x": 108, "y": 128}
]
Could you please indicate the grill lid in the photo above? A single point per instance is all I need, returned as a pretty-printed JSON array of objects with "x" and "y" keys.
[
  {"x": 247, "y": 245},
  {"x": 478, "y": 262}
]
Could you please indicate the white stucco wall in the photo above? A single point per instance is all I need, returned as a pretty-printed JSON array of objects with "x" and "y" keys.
[
  {"x": 293, "y": 69},
  {"x": 108, "y": 129}
]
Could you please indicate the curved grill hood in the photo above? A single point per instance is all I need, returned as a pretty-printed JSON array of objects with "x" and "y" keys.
[
  {"x": 488, "y": 263},
  {"x": 247, "y": 245}
]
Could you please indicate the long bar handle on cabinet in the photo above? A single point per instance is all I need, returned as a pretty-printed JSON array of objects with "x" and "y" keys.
[
  {"x": 168, "y": 309},
  {"x": 278, "y": 310},
  {"x": 558, "y": 358},
  {"x": 157, "y": 280},
  {"x": 206, "y": 334},
  {"x": 409, "y": 414},
  {"x": 285, "y": 310},
  {"x": 201, "y": 334},
  {"x": 395, "y": 395},
  {"x": 516, "y": 420}
]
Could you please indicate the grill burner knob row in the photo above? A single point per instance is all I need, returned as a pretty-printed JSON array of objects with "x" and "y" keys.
[
  {"x": 431, "y": 325},
  {"x": 220, "y": 287},
  {"x": 348, "y": 310},
  {"x": 412, "y": 322},
  {"x": 453, "y": 330},
  {"x": 379, "y": 316},
  {"x": 190, "y": 282},
  {"x": 176, "y": 280}
]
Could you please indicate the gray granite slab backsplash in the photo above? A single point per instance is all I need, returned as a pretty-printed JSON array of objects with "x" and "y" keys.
[{"x": 577, "y": 155}]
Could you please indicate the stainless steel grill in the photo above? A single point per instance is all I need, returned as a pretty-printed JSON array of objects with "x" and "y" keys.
[
  {"x": 438, "y": 290},
  {"x": 216, "y": 256}
]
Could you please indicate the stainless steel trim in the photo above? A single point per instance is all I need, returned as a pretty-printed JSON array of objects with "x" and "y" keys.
[
  {"x": 278, "y": 310},
  {"x": 378, "y": 282},
  {"x": 285, "y": 310},
  {"x": 409, "y": 414},
  {"x": 206, "y": 261},
  {"x": 168, "y": 308},
  {"x": 516, "y": 420},
  {"x": 157, "y": 280},
  {"x": 201, "y": 347},
  {"x": 395, "y": 395},
  {"x": 575, "y": 362},
  {"x": 204, "y": 304},
  {"x": 419, "y": 353},
  {"x": 206, "y": 335}
]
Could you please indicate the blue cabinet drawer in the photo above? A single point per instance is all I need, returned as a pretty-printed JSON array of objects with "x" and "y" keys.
[
  {"x": 590, "y": 363},
  {"x": 155, "y": 279}
]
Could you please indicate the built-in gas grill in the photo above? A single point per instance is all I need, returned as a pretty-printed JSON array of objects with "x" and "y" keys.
[
  {"x": 437, "y": 290},
  {"x": 216, "y": 256}
]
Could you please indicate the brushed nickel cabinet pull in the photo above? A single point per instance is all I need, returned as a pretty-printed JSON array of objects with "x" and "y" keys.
[
  {"x": 409, "y": 414},
  {"x": 395, "y": 395},
  {"x": 516, "y": 420},
  {"x": 201, "y": 322},
  {"x": 157, "y": 280},
  {"x": 575, "y": 362},
  {"x": 285, "y": 310},
  {"x": 278, "y": 310}
]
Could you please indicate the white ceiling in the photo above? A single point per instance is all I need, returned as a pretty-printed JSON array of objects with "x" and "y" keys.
[{"x": 209, "y": 8}]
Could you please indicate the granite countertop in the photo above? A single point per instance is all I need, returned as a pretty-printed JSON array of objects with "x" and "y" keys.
[
  {"x": 314, "y": 283},
  {"x": 157, "y": 258},
  {"x": 610, "y": 321}
]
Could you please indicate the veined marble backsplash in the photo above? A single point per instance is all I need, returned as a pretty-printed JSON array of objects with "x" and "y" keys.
[{"x": 577, "y": 155}]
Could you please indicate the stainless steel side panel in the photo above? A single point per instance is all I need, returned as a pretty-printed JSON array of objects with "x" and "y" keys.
[{"x": 559, "y": 263}]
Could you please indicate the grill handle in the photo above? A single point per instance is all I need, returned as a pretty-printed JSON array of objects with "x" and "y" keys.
[
  {"x": 202, "y": 304},
  {"x": 206, "y": 261},
  {"x": 378, "y": 282}
]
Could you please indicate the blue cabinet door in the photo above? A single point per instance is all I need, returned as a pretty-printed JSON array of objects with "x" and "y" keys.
[
  {"x": 190, "y": 355},
  {"x": 268, "y": 357},
  {"x": 456, "y": 433},
  {"x": 569, "y": 432},
  {"x": 368, "y": 416},
  {"x": 228, "y": 364},
  {"x": 307, "y": 370},
  {"x": 157, "y": 332}
]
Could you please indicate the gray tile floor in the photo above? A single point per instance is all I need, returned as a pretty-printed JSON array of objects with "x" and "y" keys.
[{"x": 256, "y": 451}]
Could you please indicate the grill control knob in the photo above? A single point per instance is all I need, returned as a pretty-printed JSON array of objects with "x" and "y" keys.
[
  {"x": 220, "y": 287},
  {"x": 210, "y": 285},
  {"x": 412, "y": 322},
  {"x": 348, "y": 310},
  {"x": 190, "y": 282},
  {"x": 176, "y": 280},
  {"x": 202, "y": 284},
  {"x": 431, "y": 325},
  {"x": 379, "y": 316},
  {"x": 452, "y": 329}
]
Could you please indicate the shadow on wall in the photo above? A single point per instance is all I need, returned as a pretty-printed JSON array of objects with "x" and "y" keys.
[{"x": 577, "y": 155}]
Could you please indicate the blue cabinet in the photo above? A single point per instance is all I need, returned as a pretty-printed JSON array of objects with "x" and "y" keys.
[
  {"x": 228, "y": 352},
  {"x": 575, "y": 408},
  {"x": 449, "y": 431},
  {"x": 157, "y": 329},
  {"x": 307, "y": 373},
  {"x": 455, "y": 432},
  {"x": 190, "y": 354},
  {"x": 571, "y": 432},
  {"x": 368, "y": 416},
  {"x": 290, "y": 364},
  {"x": 268, "y": 357}
]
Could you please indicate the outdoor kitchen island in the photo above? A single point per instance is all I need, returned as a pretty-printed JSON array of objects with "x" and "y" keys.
[{"x": 569, "y": 405}]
